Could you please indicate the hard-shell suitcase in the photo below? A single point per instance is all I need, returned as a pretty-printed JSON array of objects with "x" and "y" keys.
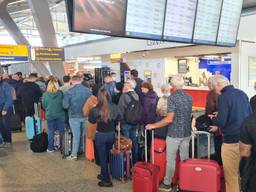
[
  {"x": 160, "y": 160},
  {"x": 146, "y": 175},
  {"x": 89, "y": 150},
  {"x": 32, "y": 126},
  {"x": 66, "y": 146},
  {"x": 193, "y": 172},
  {"x": 120, "y": 161}
]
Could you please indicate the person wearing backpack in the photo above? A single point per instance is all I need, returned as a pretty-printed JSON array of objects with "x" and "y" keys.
[
  {"x": 131, "y": 113},
  {"x": 149, "y": 104}
]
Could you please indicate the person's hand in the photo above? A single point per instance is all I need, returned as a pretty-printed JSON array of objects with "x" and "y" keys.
[
  {"x": 4, "y": 112},
  {"x": 150, "y": 126},
  {"x": 213, "y": 115},
  {"x": 213, "y": 129}
]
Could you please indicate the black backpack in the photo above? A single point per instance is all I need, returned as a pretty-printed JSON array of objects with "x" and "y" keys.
[
  {"x": 134, "y": 112},
  {"x": 202, "y": 123},
  {"x": 39, "y": 143}
]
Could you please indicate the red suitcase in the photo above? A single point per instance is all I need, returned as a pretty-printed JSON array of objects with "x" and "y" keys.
[
  {"x": 160, "y": 160},
  {"x": 146, "y": 175},
  {"x": 202, "y": 175}
]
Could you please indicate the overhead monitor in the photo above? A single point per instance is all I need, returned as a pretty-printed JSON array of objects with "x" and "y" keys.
[
  {"x": 179, "y": 20},
  {"x": 207, "y": 21},
  {"x": 145, "y": 19},
  {"x": 229, "y": 22},
  {"x": 99, "y": 16}
]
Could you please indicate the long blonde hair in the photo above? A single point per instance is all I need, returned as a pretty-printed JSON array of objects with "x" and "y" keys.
[{"x": 52, "y": 86}]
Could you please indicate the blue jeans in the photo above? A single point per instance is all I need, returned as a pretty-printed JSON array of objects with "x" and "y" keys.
[
  {"x": 104, "y": 143},
  {"x": 53, "y": 124},
  {"x": 5, "y": 127},
  {"x": 130, "y": 131},
  {"x": 78, "y": 127}
]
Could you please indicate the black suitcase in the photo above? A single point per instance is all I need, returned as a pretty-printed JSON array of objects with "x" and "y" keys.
[
  {"x": 66, "y": 146},
  {"x": 15, "y": 121}
]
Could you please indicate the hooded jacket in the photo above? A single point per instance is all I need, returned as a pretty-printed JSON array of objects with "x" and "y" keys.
[
  {"x": 149, "y": 104},
  {"x": 52, "y": 102}
]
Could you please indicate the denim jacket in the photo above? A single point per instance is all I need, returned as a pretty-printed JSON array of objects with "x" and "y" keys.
[
  {"x": 5, "y": 97},
  {"x": 74, "y": 100}
]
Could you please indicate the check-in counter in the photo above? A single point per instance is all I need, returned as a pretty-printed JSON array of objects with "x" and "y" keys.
[{"x": 198, "y": 95}]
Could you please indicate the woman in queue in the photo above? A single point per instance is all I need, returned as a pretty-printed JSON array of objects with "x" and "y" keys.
[{"x": 104, "y": 114}]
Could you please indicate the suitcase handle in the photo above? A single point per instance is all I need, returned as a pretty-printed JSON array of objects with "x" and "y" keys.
[
  {"x": 118, "y": 137},
  {"x": 152, "y": 147},
  {"x": 194, "y": 133}
]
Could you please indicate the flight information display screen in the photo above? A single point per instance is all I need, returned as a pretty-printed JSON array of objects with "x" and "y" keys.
[
  {"x": 211, "y": 22},
  {"x": 99, "y": 16},
  {"x": 229, "y": 22},
  {"x": 179, "y": 20},
  {"x": 207, "y": 21},
  {"x": 145, "y": 19}
]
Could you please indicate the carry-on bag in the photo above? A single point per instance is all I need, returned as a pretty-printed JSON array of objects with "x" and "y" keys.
[
  {"x": 120, "y": 160},
  {"x": 33, "y": 124},
  {"x": 89, "y": 149},
  {"x": 193, "y": 172},
  {"x": 160, "y": 160},
  {"x": 39, "y": 143},
  {"x": 15, "y": 121},
  {"x": 145, "y": 174},
  {"x": 66, "y": 145}
]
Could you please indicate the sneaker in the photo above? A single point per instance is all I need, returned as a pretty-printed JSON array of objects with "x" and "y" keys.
[
  {"x": 164, "y": 187},
  {"x": 50, "y": 151},
  {"x": 105, "y": 184},
  {"x": 7, "y": 145},
  {"x": 71, "y": 158}
]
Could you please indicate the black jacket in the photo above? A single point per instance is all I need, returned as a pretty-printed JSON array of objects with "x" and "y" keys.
[{"x": 29, "y": 93}]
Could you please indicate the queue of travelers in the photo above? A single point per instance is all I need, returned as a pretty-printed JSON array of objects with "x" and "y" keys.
[{"x": 92, "y": 113}]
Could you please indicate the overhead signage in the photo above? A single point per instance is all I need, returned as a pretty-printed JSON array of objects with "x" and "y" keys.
[
  {"x": 13, "y": 53},
  {"x": 115, "y": 58},
  {"x": 47, "y": 54}
]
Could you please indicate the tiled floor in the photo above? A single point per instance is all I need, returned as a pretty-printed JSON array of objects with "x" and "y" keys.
[{"x": 24, "y": 171}]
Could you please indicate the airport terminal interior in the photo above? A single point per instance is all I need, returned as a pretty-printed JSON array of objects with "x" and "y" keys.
[{"x": 67, "y": 68}]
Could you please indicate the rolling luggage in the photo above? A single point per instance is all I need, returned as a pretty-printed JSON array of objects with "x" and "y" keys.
[
  {"x": 160, "y": 160},
  {"x": 33, "y": 124},
  {"x": 120, "y": 160},
  {"x": 66, "y": 146},
  {"x": 56, "y": 143},
  {"x": 193, "y": 172},
  {"x": 89, "y": 150},
  {"x": 15, "y": 121},
  {"x": 146, "y": 175}
]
